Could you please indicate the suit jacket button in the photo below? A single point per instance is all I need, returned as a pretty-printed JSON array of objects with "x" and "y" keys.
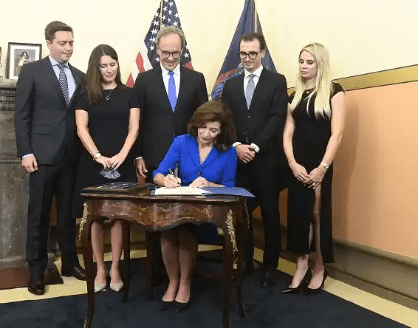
[{"x": 248, "y": 116}]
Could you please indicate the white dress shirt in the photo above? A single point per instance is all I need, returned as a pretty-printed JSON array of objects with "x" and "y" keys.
[
  {"x": 70, "y": 78},
  {"x": 256, "y": 77},
  {"x": 176, "y": 76}
]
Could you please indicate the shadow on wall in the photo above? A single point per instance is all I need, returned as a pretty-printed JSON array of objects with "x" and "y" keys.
[{"x": 344, "y": 166}]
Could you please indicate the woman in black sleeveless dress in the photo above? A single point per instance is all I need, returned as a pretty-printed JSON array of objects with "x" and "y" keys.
[
  {"x": 312, "y": 134},
  {"x": 108, "y": 129}
]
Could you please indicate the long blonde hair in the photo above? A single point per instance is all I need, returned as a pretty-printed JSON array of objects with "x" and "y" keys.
[{"x": 323, "y": 85}]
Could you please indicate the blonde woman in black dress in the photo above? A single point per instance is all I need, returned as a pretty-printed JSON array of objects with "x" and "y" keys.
[{"x": 312, "y": 134}]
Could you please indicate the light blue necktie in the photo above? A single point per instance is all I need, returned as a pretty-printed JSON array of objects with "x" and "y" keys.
[
  {"x": 249, "y": 92},
  {"x": 172, "y": 96}
]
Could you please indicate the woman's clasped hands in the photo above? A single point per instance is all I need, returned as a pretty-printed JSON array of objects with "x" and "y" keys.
[
  {"x": 312, "y": 180},
  {"x": 111, "y": 162},
  {"x": 117, "y": 160}
]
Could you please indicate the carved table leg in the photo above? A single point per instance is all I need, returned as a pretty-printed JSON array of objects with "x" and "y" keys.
[
  {"x": 126, "y": 231},
  {"x": 241, "y": 217},
  {"x": 88, "y": 263},
  {"x": 229, "y": 233}
]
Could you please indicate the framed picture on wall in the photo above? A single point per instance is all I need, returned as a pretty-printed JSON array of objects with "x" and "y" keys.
[{"x": 19, "y": 54}]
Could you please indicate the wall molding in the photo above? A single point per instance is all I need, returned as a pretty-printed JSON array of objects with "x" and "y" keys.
[
  {"x": 385, "y": 274},
  {"x": 392, "y": 76}
]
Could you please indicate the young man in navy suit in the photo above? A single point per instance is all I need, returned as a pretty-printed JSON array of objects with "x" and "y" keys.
[
  {"x": 258, "y": 100},
  {"x": 47, "y": 143}
]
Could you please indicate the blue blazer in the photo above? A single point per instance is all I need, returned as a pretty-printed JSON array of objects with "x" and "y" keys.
[{"x": 219, "y": 166}]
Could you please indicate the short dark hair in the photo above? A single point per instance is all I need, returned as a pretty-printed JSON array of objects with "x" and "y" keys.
[
  {"x": 56, "y": 26},
  {"x": 250, "y": 36},
  {"x": 215, "y": 111}
]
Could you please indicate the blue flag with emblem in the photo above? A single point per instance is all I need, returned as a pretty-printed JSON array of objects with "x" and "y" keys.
[{"x": 232, "y": 66}]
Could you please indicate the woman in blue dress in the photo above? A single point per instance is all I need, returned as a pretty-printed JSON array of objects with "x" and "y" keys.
[{"x": 205, "y": 158}]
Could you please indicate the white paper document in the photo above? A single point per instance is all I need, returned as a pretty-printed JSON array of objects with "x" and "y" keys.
[{"x": 180, "y": 191}]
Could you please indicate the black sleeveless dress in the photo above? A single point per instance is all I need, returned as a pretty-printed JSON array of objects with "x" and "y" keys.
[
  {"x": 108, "y": 127},
  {"x": 310, "y": 140}
]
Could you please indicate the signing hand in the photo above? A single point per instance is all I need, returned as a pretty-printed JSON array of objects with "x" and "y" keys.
[
  {"x": 245, "y": 153},
  {"x": 30, "y": 164},
  {"x": 104, "y": 161},
  {"x": 117, "y": 160},
  {"x": 316, "y": 176},
  {"x": 141, "y": 168},
  {"x": 200, "y": 182},
  {"x": 299, "y": 172},
  {"x": 170, "y": 181}
]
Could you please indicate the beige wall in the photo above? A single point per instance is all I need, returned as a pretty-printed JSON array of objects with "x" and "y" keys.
[
  {"x": 375, "y": 173},
  {"x": 375, "y": 186},
  {"x": 362, "y": 36}
]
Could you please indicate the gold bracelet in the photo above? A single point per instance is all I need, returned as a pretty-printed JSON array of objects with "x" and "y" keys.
[
  {"x": 289, "y": 161},
  {"x": 325, "y": 165}
]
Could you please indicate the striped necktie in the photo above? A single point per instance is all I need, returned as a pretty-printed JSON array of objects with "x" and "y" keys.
[
  {"x": 249, "y": 91},
  {"x": 62, "y": 79}
]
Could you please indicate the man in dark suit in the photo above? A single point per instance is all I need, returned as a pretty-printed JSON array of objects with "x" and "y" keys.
[
  {"x": 167, "y": 97},
  {"x": 258, "y": 100},
  {"x": 46, "y": 141}
]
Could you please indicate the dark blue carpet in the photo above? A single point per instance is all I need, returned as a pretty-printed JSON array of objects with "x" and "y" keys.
[{"x": 266, "y": 308}]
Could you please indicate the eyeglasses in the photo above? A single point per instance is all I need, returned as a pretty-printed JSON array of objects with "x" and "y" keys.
[
  {"x": 251, "y": 55},
  {"x": 167, "y": 54}
]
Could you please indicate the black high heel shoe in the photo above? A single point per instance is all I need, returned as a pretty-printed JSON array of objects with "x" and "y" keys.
[
  {"x": 179, "y": 307},
  {"x": 312, "y": 291},
  {"x": 295, "y": 290},
  {"x": 166, "y": 305}
]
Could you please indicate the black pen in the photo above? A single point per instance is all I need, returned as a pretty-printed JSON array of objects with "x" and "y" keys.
[{"x": 170, "y": 171}]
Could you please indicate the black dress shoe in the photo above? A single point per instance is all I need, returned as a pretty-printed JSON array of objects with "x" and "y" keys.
[
  {"x": 312, "y": 291},
  {"x": 179, "y": 307},
  {"x": 268, "y": 277},
  {"x": 36, "y": 285},
  {"x": 166, "y": 305},
  {"x": 75, "y": 271},
  {"x": 295, "y": 290}
]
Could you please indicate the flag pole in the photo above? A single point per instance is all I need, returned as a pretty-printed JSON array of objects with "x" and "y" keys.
[
  {"x": 255, "y": 18},
  {"x": 161, "y": 13}
]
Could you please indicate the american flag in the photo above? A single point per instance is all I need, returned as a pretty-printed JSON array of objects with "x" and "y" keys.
[{"x": 166, "y": 15}]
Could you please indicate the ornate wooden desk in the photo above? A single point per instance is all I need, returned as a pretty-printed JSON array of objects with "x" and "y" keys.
[{"x": 156, "y": 213}]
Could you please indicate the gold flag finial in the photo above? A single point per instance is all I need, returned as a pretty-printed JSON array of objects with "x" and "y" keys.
[{"x": 161, "y": 13}]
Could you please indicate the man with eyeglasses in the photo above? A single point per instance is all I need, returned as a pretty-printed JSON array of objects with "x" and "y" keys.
[
  {"x": 258, "y": 100},
  {"x": 167, "y": 96}
]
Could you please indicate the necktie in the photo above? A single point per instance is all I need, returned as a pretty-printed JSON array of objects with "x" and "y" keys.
[
  {"x": 62, "y": 79},
  {"x": 250, "y": 90},
  {"x": 172, "y": 96}
]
